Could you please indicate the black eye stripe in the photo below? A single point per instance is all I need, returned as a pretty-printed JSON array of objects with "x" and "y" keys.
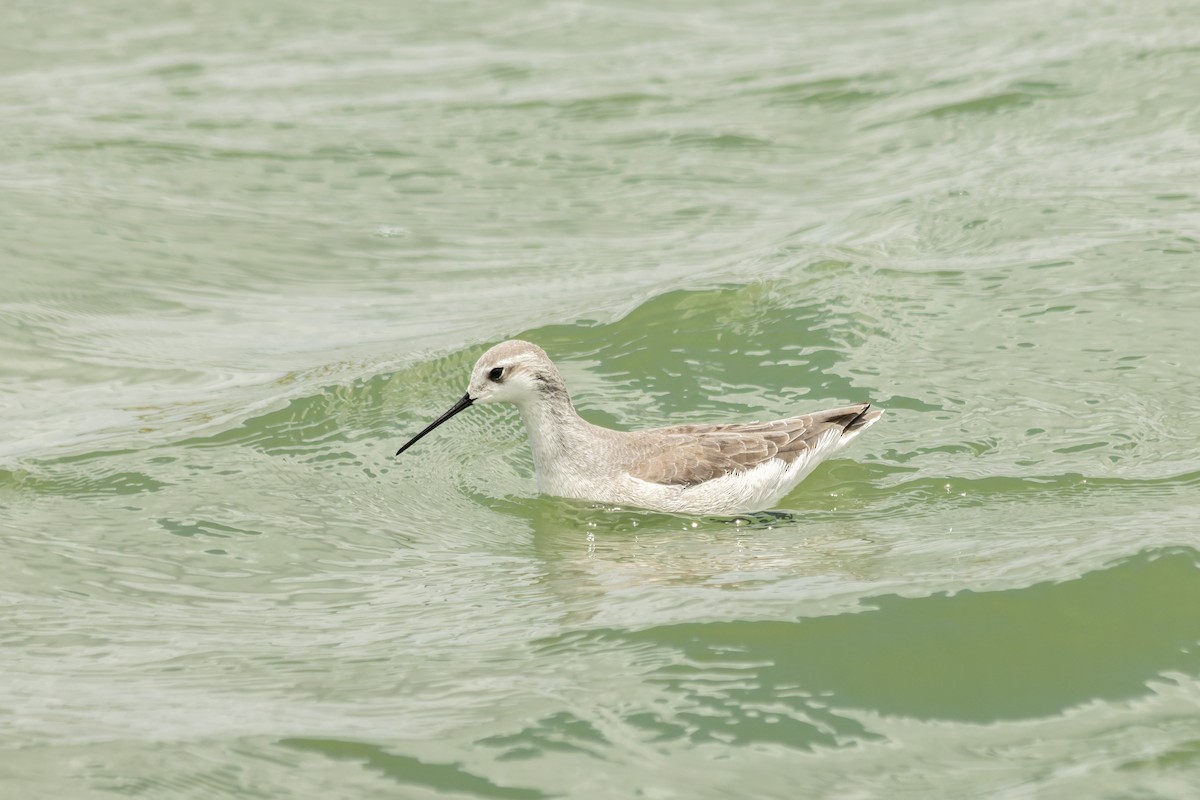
[{"x": 496, "y": 374}]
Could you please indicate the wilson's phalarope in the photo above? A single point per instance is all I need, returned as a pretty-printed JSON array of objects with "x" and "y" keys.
[{"x": 689, "y": 469}]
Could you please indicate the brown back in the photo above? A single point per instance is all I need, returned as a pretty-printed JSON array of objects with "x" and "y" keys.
[{"x": 690, "y": 454}]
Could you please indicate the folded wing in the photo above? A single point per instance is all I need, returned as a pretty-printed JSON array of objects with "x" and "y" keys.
[{"x": 692, "y": 454}]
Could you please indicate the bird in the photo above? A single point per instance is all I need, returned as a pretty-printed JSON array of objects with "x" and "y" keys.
[{"x": 705, "y": 469}]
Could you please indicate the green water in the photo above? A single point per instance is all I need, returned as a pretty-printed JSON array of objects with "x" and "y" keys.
[{"x": 248, "y": 249}]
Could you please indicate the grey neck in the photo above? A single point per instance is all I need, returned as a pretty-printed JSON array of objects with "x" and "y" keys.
[{"x": 557, "y": 434}]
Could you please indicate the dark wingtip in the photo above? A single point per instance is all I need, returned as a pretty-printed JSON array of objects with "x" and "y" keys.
[{"x": 857, "y": 420}]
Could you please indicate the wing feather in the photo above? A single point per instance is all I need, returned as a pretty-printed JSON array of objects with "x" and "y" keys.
[{"x": 692, "y": 454}]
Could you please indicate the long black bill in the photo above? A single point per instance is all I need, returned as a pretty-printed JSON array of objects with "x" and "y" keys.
[{"x": 462, "y": 403}]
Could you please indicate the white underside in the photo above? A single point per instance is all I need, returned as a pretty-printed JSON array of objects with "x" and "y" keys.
[{"x": 755, "y": 489}]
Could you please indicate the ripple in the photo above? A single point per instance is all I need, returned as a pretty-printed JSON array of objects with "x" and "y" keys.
[
  {"x": 978, "y": 657},
  {"x": 247, "y": 254}
]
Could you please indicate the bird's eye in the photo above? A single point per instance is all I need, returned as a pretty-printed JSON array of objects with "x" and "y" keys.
[{"x": 496, "y": 374}]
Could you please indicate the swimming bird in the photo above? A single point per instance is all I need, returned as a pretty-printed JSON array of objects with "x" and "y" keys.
[{"x": 724, "y": 469}]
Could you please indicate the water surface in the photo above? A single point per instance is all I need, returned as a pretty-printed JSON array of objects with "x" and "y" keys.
[{"x": 248, "y": 250}]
